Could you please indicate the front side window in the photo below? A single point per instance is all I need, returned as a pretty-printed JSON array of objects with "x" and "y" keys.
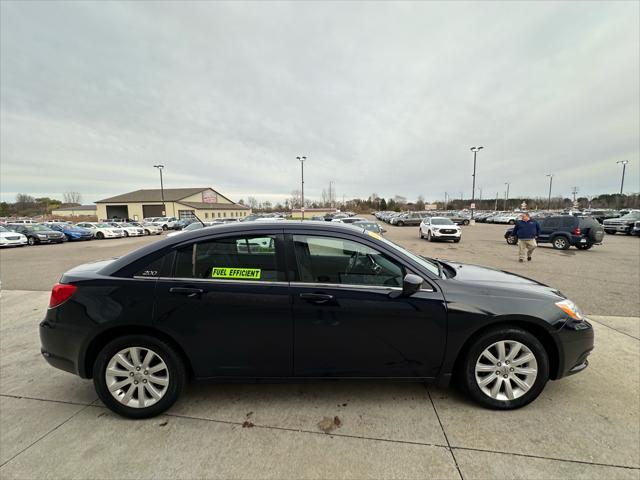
[
  {"x": 231, "y": 258},
  {"x": 341, "y": 261}
]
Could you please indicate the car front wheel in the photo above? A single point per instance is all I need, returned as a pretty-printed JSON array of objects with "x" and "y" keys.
[
  {"x": 138, "y": 376},
  {"x": 31, "y": 241},
  {"x": 512, "y": 240},
  {"x": 420, "y": 233},
  {"x": 505, "y": 368},
  {"x": 429, "y": 236}
]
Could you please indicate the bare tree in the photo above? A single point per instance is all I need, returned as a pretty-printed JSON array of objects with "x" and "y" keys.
[
  {"x": 72, "y": 197},
  {"x": 296, "y": 199},
  {"x": 252, "y": 202}
]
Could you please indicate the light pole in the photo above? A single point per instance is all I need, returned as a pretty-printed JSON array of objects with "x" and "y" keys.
[
  {"x": 445, "y": 200},
  {"x": 624, "y": 168},
  {"x": 506, "y": 195},
  {"x": 164, "y": 208},
  {"x": 302, "y": 159},
  {"x": 550, "y": 175},
  {"x": 475, "y": 151}
]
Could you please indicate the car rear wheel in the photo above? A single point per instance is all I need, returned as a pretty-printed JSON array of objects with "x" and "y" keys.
[
  {"x": 505, "y": 368},
  {"x": 560, "y": 243},
  {"x": 138, "y": 376},
  {"x": 512, "y": 240}
]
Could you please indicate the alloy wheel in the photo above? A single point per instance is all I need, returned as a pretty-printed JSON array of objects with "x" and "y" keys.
[
  {"x": 506, "y": 370},
  {"x": 137, "y": 377}
]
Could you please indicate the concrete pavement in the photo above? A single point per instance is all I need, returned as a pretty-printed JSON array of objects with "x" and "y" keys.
[{"x": 52, "y": 426}]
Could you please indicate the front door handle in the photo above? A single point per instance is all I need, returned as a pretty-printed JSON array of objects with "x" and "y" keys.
[
  {"x": 190, "y": 292},
  {"x": 316, "y": 297}
]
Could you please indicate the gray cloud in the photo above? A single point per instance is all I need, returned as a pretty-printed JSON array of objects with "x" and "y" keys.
[{"x": 383, "y": 97}]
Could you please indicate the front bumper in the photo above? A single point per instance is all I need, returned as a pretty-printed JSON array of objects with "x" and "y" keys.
[
  {"x": 618, "y": 227},
  {"x": 451, "y": 236},
  {"x": 13, "y": 243},
  {"x": 576, "y": 341}
]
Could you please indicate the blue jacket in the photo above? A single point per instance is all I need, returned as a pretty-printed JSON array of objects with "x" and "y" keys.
[{"x": 526, "y": 230}]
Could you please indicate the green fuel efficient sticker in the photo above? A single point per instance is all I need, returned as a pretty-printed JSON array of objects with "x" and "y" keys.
[{"x": 243, "y": 273}]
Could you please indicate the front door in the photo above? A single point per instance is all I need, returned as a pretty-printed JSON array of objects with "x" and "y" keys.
[
  {"x": 225, "y": 299},
  {"x": 347, "y": 325},
  {"x": 548, "y": 227}
]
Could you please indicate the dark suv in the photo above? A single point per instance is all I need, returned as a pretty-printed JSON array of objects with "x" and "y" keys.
[
  {"x": 565, "y": 231},
  {"x": 409, "y": 218}
]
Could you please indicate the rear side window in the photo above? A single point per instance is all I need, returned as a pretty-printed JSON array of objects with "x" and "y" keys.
[
  {"x": 551, "y": 222},
  {"x": 233, "y": 258},
  {"x": 568, "y": 221}
]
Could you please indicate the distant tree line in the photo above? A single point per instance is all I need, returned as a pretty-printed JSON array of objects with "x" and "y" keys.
[{"x": 29, "y": 206}]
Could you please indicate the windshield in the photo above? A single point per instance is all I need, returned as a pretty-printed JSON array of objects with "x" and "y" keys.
[
  {"x": 102, "y": 225},
  {"x": 631, "y": 216},
  {"x": 428, "y": 264},
  {"x": 193, "y": 226},
  {"x": 441, "y": 221},
  {"x": 2, "y": 229},
  {"x": 39, "y": 228}
]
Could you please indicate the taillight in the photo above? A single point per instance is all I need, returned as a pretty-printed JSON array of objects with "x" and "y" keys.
[
  {"x": 577, "y": 231},
  {"x": 60, "y": 293}
]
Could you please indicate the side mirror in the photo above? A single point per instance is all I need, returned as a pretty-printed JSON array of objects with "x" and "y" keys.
[{"x": 410, "y": 285}]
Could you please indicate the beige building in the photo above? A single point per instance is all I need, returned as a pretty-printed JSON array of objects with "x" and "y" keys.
[
  {"x": 206, "y": 203},
  {"x": 76, "y": 211},
  {"x": 312, "y": 212}
]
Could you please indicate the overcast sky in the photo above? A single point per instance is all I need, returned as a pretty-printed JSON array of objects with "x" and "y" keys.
[{"x": 382, "y": 97}]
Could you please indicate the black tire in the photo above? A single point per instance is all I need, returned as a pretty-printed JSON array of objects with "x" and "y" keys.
[
  {"x": 560, "y": 243},
  {"x": 420, "y": 233},
  {"x": 400, "y": 224},
  {"x": 512, "y": 240},
  {"x": 126, "y": 234},
  {"x": 175, "y": 366},
  {"x": 429, "y": 236},
  {"x": 165, "y": 228},
  {"x": 610, "y": 232},
  {"x": 465, "y": 222},
  {"x": 584, "y": 246},
  {"x": 31, "y": 241},
  {"x": 487, "y": 339},
  {"x": 147, "y": 232},
  {"x": 512, "y": 222},
  {"x": 100, "y": 236}
]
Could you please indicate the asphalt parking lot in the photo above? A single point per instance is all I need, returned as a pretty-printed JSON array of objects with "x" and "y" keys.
[{"x": 585, "y": 426}]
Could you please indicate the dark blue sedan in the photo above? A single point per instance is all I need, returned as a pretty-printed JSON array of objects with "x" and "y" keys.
[{"x": 71, "y": 231}]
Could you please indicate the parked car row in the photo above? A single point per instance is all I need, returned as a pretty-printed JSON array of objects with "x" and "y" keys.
[
  {"x": 29, "y": 233},
  {"x": 403, "y": 219}
]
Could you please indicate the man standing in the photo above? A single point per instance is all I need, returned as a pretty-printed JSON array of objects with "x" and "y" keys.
[{"x": 526, "y": 230}]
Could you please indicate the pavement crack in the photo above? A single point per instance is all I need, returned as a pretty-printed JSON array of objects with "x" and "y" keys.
[{"x": 453, "y": 455}]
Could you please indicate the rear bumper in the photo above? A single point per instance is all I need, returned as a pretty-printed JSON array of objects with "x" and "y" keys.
[
  {"x": 60, "y": 344},
  {"x": 576, "y": 341}
]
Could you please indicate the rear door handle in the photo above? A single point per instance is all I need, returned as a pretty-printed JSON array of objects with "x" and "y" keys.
[
  {"x": 316, "y": 297},
  {"x": 188, "y": 291}
]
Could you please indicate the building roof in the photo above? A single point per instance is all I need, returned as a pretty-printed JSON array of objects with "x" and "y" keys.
[
  {"x": 154, "y": 195},
  {"x": 92, "y": 208},
  {"x": 215, "y": 206}
]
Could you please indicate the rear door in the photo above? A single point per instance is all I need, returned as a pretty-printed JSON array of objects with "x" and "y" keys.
[
  {"x": 346, "y": 324},
  {"x": 548, "y": 227},
  {"x": 226, "y": 300}
]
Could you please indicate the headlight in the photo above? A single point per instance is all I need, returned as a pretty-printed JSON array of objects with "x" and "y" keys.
[
  {"x": 41, "y": 236},
  {"x": 570, "y": 308}
]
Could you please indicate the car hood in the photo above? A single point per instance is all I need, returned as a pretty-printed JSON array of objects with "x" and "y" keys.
[{"x": 489, "y": 277}]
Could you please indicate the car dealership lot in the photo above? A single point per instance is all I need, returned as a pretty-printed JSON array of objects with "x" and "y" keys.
[{"x": 585, "y": 426}]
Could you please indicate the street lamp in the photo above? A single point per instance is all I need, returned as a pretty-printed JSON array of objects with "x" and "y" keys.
[
  {"x": 506, "y": 195},
  {"x": 164, "y": 208},
  {"x": 302, "y": 159},
  {"x": 550, "y": 175},
  {"x": 475, "y": 151},
  {"x": 624, "y": 168}
]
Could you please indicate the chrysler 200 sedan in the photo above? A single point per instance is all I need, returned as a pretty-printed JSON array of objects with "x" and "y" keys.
[{"x": 293, "y": 301}]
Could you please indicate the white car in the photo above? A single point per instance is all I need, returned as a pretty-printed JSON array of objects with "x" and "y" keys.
[
  {"x": 167, "y": 223},
  {"x": 11, "y": 239},
  {"x": 129, "y": 229},
  {"x": 102, "y": 230},
  {"x": 440, "y": 228},
  {"x": 148, "y": 227}
]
